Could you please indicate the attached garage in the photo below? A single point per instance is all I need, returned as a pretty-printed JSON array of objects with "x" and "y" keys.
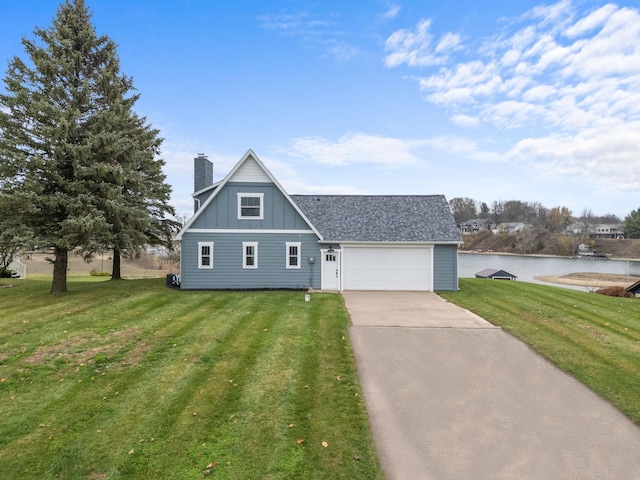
[
  {"x": 387, "y": 267},
  {"x": 385, "y": 242}
]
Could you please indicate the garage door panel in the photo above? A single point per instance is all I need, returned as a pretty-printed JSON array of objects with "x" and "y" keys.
[{"x": 391, "y": 268}]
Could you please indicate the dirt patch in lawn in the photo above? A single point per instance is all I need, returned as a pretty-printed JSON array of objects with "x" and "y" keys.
[{"x": 81, "y": 350}]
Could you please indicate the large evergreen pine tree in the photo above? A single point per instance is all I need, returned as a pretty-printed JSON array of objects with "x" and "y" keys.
[
  {"x": 74, "y": 156},
  {"x": 134, "y": 195}
]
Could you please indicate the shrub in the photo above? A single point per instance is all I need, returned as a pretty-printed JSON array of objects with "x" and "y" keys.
[
  {"x": 96, "y": 273},
  {"x": 6, "y": 273},
  {"x": 614, "y": 292}
]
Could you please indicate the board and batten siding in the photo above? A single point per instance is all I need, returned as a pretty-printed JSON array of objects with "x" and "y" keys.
[
  {"x": 222, "y": 211},
  {"x": 201, "y": 198},
  {"x": 272, "y": 271},
  {"x": 445, "y": 267}
]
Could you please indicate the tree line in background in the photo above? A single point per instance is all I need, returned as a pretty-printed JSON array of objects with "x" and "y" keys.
[
  {"x": 556, "y": 219},
  {"x": 78, "y": 166}
]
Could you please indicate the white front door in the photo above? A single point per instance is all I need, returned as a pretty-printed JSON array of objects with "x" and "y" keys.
[{"x": 330, "y": 270}]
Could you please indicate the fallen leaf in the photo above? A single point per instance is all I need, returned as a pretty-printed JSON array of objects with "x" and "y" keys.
[
  {"x": 306, "y": 387},
  {"x": 291, "y": 425},
  {"x": 356, "y": 457},
  {"x": 325, "y": 444},
  {"x": 131, "y": 452},
  {"x": 300, "y": 441},
  {"x": 212, "y": 464}
]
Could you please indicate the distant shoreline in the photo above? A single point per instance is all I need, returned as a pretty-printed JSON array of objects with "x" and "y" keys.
[
  {"x": 590, "y": 279},
  {"x": 544, "y": 255}
]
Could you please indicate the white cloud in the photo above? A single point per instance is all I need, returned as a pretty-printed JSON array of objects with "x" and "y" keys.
[
  {"x": 539, "y": 93},
  {"x": 564, "y": 82},
  {"x": 448, "y": 42},
  {"x": 608, "y": 159},
  {"x": 355, "y": 148},
  {"x": 312, "y": 29},
  {"x": 392, "y": 11},
  {"x": 463, "y": 83},
  {"x": 535, "y": 63},
  {"x": 461, "y": 147},
  {"x": 590, "y": 22},
  {"x": 465, "y": 120},
  {"x": 416, "y": 47},
  {"x": 289, "y": 175},
  {"x": 296, "y": 24},
  {"x": 341, "y": 51}
]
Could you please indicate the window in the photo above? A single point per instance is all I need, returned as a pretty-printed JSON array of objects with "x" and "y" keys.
[
  {"x": 293, "y": 254},
  {"x": 250, "y": 206},
  {"x": 205, "y": 254},
  {"x": 250, "y": 255}
]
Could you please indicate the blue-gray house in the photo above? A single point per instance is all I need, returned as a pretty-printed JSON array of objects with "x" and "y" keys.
[{"x": 248, "y": 233}]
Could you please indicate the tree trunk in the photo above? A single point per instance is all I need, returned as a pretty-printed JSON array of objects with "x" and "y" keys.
[
  {"x": 115, "y": 272},
  {"x": 59, "y": 283}
]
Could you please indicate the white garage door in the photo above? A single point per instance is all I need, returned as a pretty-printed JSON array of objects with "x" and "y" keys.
[{"x": 387, "y": 268}]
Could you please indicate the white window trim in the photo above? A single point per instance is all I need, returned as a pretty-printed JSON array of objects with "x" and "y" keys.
[
  {"x": 255, "y": 254},
  {"x": 251, "y": 195},
  {"x": 298, "y": 245},
  {"x": 205, "y": 244}
]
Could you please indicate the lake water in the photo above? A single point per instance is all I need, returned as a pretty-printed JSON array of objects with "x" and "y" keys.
[{"x": 527, "y": 267}]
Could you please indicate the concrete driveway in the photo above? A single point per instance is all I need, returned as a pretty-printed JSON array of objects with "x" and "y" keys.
[{"x": 451, "y": 397}]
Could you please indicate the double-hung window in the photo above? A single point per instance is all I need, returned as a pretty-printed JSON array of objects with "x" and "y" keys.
[
  {"x": 249, "y": 254},
  {"x": 293, "y": 254},
  {"x": 205, "y": 254},
  {"x": 250, "y": 206}
]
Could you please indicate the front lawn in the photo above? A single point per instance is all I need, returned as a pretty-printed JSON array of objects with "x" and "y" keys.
[
  {"x": 592, "y": 337},
  {"x": 131, "y": 379}
]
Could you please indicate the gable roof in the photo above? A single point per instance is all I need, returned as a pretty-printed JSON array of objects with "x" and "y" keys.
[
  {"x": 380, "y": 218},
  {"x": 206, "y": 189},
  {"x": 249, "y": 156}
]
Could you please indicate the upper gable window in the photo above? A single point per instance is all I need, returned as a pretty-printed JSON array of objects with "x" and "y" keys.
[{"x": 251, "y": 206}]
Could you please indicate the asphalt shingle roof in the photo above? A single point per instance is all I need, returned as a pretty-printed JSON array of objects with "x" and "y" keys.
[{"x": 380, "y": 218}]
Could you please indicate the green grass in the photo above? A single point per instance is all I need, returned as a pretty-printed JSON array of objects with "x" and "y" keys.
[
  {"x": 133, "y": 380},
  {"x": 592, "y": 337}
]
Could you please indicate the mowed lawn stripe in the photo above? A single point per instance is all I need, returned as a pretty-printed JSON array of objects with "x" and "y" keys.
[
  {"x": 593, "y": 337},
  {"x": 195, "y": 389},
  {"x": 153, "y": 400},
  {"x": 182, "y": 379}
]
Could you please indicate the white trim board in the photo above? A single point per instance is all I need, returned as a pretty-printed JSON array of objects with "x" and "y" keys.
[{"x": 248, "y": 230}]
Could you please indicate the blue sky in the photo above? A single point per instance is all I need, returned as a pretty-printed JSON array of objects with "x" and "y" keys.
[{"x": 494, "y": 100}]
